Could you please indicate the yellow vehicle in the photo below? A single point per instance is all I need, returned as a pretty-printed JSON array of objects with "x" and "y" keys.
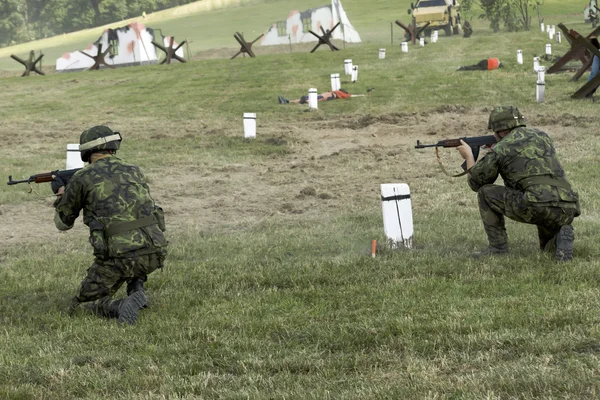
[{"x": 441, "y": 14}]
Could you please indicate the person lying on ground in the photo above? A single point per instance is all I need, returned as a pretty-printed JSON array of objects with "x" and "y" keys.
[
  {"x": 336, "y": 94},
  {"x": 483, "y": 65}
]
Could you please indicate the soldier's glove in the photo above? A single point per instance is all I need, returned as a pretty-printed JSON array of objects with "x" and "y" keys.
[{"x": 56, "y": 184}]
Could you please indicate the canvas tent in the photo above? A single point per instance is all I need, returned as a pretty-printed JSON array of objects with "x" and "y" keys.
[
  {"x": 295, "y": 28},
  {"x": 129, "y": 45}
]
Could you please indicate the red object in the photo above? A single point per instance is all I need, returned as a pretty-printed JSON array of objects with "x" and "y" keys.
[{"x": 493, "y": 63}]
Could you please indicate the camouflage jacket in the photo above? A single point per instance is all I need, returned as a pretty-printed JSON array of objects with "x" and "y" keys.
[
  {"x": 525, "y": 153},
  {"x": 112, "y": 193}
]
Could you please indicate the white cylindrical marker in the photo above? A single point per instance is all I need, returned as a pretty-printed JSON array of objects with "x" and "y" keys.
[
  {"x": 422, "y": 42},
  {"x": 313, "y": 102},
  {"x": 540, "y": 91},
  {"x": 74, "y": 156},
  {"x": 348, "y": 67},
  {"x": 549, "y": 49},
  {"x": 435, "y": 36},
  {"x": 405, "y": 47},
  {"x": 550, "y": 34},
  {"x": 542, "y": 27},
  {"x": 381, "y": 54},
  {"x": 519, "y": 56},
  {"x": 536, "y": 64},
  {"x": 354, "y": 73},
  {"x": 558, "y": 37},
  {"x": 249, "y": 125},
  {"x": 338, "y": 83},
  {"x": 333, "y": 82}
]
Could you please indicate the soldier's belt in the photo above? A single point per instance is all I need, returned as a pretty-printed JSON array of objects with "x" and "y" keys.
[
  {"x": 130, "y": 225},
  {"x": 544, "y": 180}
]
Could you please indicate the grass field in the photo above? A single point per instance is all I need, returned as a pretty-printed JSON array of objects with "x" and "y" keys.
[
  {"x": 209, "y": 30},
  {"x": 269, "y": 290}
]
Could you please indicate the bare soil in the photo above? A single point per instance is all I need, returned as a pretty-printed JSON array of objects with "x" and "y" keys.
[{"x": 335, "y": 164}]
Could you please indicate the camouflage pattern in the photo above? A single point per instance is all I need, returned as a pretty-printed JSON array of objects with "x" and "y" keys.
[
  {"x": 111, "y": 192},
  {"x": 105, "y": 277},
  {"x": 504, "y": 118},
  {"x": 522, "y": 153},
  {"x": 495, "y": 202}
]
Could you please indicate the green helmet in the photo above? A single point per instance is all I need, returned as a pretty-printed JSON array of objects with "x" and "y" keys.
[
  {"x": 505, "y": 118},
  {"x": 98, "y": 138}
]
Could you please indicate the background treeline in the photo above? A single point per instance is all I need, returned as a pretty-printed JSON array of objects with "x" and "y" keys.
[{"x": 25, "y": 20}]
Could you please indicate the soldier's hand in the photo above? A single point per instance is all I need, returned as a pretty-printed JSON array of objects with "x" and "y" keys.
[
  {"x": 57, "y": 185},
  {"x": 465, "y": 150}
]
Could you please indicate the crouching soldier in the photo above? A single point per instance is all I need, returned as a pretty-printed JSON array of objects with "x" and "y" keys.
[
  {"x": 126, "y": 226},
  {"x": 535, "y": 189}
]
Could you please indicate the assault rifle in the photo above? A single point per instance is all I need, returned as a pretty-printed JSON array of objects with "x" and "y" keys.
[
  {"x": 64, "y": 175},
  {"x": 475, "y": 143}
]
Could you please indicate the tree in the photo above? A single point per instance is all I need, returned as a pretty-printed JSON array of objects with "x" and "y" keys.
[{"x": 514, "y": 15}]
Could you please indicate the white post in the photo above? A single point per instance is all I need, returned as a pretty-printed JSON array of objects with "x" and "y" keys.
[
  {"x": 540, "y": 85},
  {"x": 405, "y": 47},
  {"x": 536, "y": 64},
  {"x": 549, "y": 49},
  {"x": 249, "y": 125},
  {"x": 354, "y": 73},
  {"x": 422, "y": 42},
  {"x": 547, "y": 28},
  {"x": 519, "y": 56},
  {"x": 333, "y": 83},
  {"x": 338, "y": 83},
  {"x": 550, "y": 34},
  {"x": 435, "y": 36},
  {"x": 397, "y": 215},
  {"x": 313, "y": 103},
  {"x": 74, "y": 156},
  {"x": 381, "y": 54},
  {"x": 558, "y": 37},
  {"x": 542, "y": 27},
  {"x": 348, "y": 67}
]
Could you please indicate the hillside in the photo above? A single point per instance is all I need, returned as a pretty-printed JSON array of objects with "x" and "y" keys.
[{"x": 206, "y": 30}]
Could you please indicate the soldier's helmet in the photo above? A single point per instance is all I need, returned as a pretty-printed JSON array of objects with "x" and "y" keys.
[
  {"x": 505, "y": 118},
  {"x": 98, "y": 138}
]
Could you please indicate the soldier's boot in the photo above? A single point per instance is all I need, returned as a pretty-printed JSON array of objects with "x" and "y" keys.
[
  {"x": 130, "y": 307},
  {"x": 564, "y": 243},
  {"x": 491, "y": 251},
  {"x": 73, "y": 305},
  {"x": 135, "y": 285}
]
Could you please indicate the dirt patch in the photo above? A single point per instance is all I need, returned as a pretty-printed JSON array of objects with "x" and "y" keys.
[{"x": 329, "y": 169}]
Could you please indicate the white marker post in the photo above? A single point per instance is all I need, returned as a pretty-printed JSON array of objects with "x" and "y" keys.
[
  {"x": 397, "y": 215},
  {"x": 519, "y": 56},
  {"x": 405, "y": 47},
  {"x": 348, "y": 67},
  {"x": 333, "y": 82},
  {"x": 540, "y": 86},
  {"x": 354, "y": 73},
  {"x": 74, "y": 157},
  {"x": 435, "y": 36},
  {"x": 249, "y": 125},
  {"x": 551, "y": 34},
  {"x": 313, "y": 103},
  {"x": 542, "y": 27},
  {"x": 549, "y": 49},
  {"x": 338, "y": 83},
  {"x": 558, "y": 37},
  {"x": 422, "y": 42},
  {"x": 536, "y": 64},
  {"x": 381, "y": 54}
]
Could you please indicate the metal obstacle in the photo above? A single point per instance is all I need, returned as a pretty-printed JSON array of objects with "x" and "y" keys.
[
  {"x": 246, "y": 47},
  {"x": 30, "y": 64},
  {"x": 171, "y": 52},
  {"x": 412, "y": 32},
  {"x": 579, "y": 51},
  {"x": 326, "y": 38},
  {"x": 99, "y": 58}
]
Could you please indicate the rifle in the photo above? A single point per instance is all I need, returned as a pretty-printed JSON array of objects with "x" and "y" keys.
[
  {"x": 65, "y": 175},
  {"x": 475, "y": 143}
]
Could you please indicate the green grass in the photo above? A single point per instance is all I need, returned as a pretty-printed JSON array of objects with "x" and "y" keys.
[
  {"x": 214, "y": 29},
  {"x": 269, "y": 293}
]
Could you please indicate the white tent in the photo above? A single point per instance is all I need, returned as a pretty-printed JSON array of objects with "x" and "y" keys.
[
  {"x": 129, "y": 45},
  {"x": 295, "y": 28}
]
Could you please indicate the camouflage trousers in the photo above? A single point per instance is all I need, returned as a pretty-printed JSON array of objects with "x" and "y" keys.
[
  {"x": 105, "y": 277},
  {"x": 495, "y": 202}
]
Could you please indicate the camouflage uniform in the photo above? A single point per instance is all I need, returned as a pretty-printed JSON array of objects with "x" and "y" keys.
[
  {"x": 126, "y": 228},
  {"x": 535, "y": 190}
]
